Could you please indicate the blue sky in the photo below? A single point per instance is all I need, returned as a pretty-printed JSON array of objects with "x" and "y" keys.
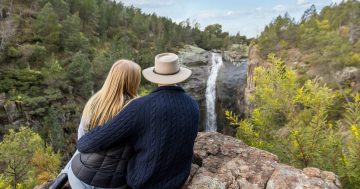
[{"x": 247, "y": 17}]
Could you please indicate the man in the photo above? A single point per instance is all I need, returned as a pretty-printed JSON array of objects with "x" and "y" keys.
[{"x": 161, "y": 127}]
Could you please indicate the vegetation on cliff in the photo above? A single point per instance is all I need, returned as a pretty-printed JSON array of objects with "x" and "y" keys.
[
  {"x": 326, "y": 41},
  {"x": 299, "y": 108},
  {"x": 55, "y": 53},
  {"x": 298, "y": 122}
]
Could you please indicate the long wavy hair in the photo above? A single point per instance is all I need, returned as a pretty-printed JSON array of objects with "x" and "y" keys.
[{"x": 121, "y": 85}]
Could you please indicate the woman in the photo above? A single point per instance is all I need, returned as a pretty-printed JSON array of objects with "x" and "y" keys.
[{"x": 107, "y": 169}]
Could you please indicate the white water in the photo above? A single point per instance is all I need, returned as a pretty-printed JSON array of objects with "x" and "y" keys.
[{"x": 210, "y": 94}]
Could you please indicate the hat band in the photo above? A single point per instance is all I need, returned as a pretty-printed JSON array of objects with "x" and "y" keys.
[{"x": 167, "y": 73}]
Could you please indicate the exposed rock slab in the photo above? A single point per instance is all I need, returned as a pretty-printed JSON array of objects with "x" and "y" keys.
[
  {"x": 223, "y": 162},
  {"x": 286, "y": 176}
]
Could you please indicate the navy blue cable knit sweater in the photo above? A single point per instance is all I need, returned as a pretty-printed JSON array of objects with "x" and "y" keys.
[{"x": 162, "y": 127}]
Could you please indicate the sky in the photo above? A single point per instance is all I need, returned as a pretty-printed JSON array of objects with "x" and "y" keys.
[{"x": 247, "y": 17}]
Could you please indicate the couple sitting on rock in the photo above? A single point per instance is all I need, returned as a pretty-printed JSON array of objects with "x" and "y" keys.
[{"x": 126, "y": 141}]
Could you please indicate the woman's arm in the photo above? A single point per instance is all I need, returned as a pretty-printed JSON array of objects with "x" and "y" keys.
[
  {"x": 83, "y": 127},
  {"x": 114, "y": 131}
]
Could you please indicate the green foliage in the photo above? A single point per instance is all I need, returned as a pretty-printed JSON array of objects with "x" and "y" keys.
[
  {"x": 46, "y": 164},
  {"x": 291, "y": 120},
  {"x": 51, "y": 130},
  {"x": 33, "y": 55},
  {"x": 61, "y": 8},
  {"x": 327, "y": 39},
  {"x": 245, "y": 130},
  {"x": 63, "y": 49},
  {"x": 18, "y": 150},
  {"x": 72, "y": 37},
  {"x": 47, "y": 27},
  {"x": 80, "y": 73},
  {"x": 351, "y": 152}
]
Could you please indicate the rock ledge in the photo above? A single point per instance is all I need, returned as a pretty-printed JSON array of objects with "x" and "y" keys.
[{"x": 223, "y": 162}]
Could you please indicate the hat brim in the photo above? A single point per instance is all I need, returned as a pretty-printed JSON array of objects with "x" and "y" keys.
[{"x": 179, "y": 77}]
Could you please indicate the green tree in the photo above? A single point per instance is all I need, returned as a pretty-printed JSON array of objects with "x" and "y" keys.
[
  {"x": 52, "y": 131},
  {"x": 61, "y": 8},
  {"x": 72, "y": 37},
  {"x": 88, "y": 12},
  {"x": 80, "y": 73},
  {"x": 309, "y": 13},
  {"x": 291, "y": 120},
  {"x": 47, "y": 28},
  {"x": 351, "y": 152},
  {"x": 18, "y": 150}
]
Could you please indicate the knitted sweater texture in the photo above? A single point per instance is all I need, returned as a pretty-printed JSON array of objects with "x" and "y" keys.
[{"x": 162, "y": 128}]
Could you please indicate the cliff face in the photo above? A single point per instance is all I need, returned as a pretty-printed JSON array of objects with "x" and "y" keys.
[
  {"x": 223, "y": 162},
  {"x": 230, "y": 85},
  {"x": 197, "y": 60}
]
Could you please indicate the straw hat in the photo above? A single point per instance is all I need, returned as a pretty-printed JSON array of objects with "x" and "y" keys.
[{"x": 167, "y": 70}]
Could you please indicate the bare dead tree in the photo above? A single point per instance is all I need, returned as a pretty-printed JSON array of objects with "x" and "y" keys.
[
  {"x": 7, "y": 30},
  {"x": 7, "y": 26}
]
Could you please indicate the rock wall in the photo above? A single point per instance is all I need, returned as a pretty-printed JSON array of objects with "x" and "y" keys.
[
  {"x": 230, "y": 89},
  {"x": 197, "y": 60},
  {"x": 223, "y": 162},
  {"x": 254, "y": 61},
  {"x": 230, "y": 86}
]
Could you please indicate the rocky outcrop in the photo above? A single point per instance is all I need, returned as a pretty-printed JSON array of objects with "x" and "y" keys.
[
  {"x": 254, "y": 61},
  {"x": 234, "y": 56},
  {"x": 197, "y": 60},
  {"x": 223, "y": 162},
  {"x": 349, "y": 76},
  {"x": 3, "y": 115}
]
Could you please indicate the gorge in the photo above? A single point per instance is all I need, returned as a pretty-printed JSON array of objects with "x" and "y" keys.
[{"x": 218, "y": 84}]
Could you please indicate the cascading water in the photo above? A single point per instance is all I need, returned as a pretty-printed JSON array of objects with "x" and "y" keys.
[{"x": 210, "y": 94}]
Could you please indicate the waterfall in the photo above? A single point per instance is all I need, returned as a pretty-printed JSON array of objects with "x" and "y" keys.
[{"x": 210, "y": 93}]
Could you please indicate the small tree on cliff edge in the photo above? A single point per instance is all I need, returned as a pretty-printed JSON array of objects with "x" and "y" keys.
[{"x": 23, "y": 158}]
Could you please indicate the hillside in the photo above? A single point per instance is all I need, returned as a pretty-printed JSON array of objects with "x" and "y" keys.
[
  {"x": 302, "y": 94},
  {"x": 324, "y": 45},
  {"x": 54, "y": 54}
]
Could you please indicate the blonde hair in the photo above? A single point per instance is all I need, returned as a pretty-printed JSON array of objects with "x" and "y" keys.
[{"x": 121, "y": 85}]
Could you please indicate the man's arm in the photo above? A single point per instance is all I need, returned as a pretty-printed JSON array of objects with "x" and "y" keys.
[{"x": 118, "y": 128}]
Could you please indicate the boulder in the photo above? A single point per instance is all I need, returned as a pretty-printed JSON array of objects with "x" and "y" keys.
[
  {"x": 286, "y": 176},
  {"x": 350, "y": 77},
  {"x": 233, "y": 56},
  {"x": 348, "y": 73},
  {"x": 223, "y": 162}
]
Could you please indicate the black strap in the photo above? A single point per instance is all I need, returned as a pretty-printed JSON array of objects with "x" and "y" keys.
[
  {"x": 168, "y": 73},
  {"x": 59, "y": 182}
]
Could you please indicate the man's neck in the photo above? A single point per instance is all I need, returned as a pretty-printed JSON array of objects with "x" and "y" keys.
[{"x": 161, "y": 85}]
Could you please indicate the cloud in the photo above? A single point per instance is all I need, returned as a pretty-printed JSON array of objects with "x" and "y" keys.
[
  {"x": 221, "y": 15},
  {"x": 280, "y": 8},
  {"x": 302, "y": 2},
  {"x": 148, "y": 2},
  {"x": 338, "y": 1}
]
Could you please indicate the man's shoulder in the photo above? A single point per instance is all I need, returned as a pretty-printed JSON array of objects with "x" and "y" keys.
[{"x": 162, "y": 96}]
